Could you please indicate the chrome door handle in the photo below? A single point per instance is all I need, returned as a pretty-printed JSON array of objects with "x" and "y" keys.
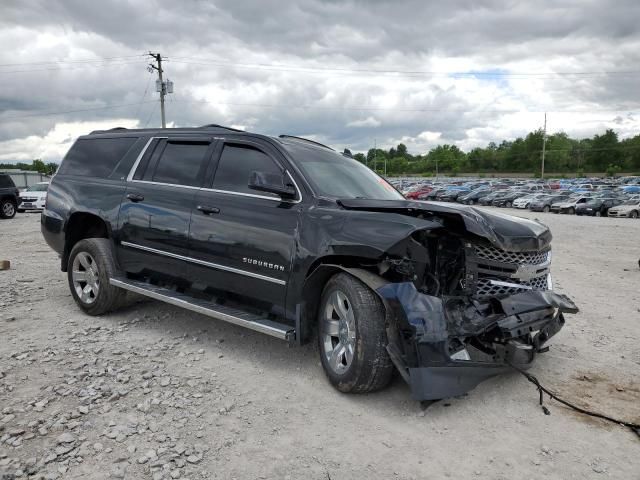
[
  {"x": 135, "y": 197},
  {"x": 207, "y": 210}
]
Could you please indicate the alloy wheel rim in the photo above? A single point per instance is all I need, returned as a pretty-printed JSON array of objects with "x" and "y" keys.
[
  {"x": 8, "y": 209},
  {"x": 338, "y": 330},
  {"x": 86, "y": 281}
]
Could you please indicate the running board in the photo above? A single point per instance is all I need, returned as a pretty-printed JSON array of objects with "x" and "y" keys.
[{"x": 219, "y": 312}]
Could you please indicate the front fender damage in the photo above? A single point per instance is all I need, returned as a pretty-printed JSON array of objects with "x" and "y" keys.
[{"x": 451, "y": 344}]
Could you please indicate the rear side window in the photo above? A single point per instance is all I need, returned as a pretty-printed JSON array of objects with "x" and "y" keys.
[
  {"x": 180, "y": 163},
  {"x": 6, "y": 182},
  {"x": 237, "y": 162},
  {"x": 95, "y": 157}
]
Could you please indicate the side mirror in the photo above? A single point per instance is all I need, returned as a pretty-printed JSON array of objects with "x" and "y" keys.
[{"x": 272, "y": 183}]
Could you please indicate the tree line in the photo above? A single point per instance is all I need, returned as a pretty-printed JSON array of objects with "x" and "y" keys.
[
  {"x": 603, "y": 153},
  {"x": 36, "y": 165}
]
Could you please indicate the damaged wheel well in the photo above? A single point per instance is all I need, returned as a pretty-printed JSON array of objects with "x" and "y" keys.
[{"x": 320, "y": 273}]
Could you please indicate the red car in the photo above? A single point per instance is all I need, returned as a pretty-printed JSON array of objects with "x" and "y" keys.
[{"x": 416, "y": 194}]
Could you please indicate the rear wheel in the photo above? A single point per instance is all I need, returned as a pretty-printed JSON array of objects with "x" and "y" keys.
[
  {"x": 91, "y": 265},
  {"x": 7, "y": 208},
  {"x": 352, "y": 336}
]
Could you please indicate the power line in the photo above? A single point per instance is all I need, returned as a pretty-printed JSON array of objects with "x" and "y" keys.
[
  {"x": 396, "y": 109},
  {"x": 144, "y": 95},
  {"x": 72, "y": 67},
  {"x": 302, "y": 68},
  {"x": 42, "y": 114},
  {"x": 54, "y": 62}
]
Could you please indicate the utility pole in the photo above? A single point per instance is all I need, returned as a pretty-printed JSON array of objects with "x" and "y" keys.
[
  {"x": 544, "y": 142},
  {"x": 375, "y": 155},
  {"x": 385, "y": 166},
  {"x": 161, "y": 86}
]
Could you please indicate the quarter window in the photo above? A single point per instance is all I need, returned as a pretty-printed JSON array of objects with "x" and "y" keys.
[
  {"x": 95, "y": 157},
  {"x": 180, "y": 163},
  {"x": 237, "y": 162}
]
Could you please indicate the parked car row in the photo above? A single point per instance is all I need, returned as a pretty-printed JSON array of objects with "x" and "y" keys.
[
  {"x": 616, "y": 198},
  {"x": 12, "y": 200}
]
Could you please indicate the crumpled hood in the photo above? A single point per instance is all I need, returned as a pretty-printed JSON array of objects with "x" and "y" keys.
[{"x": 503, "y": 231}]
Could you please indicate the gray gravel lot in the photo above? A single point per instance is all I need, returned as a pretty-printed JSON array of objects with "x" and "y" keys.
[{"x": 152, "y": 391}]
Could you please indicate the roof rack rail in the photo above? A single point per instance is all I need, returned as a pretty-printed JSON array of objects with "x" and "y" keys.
[
  {"x": 306, "y": 140},
  {"x": 215, "y": 125},
  {"x": 114, "y": 129}
]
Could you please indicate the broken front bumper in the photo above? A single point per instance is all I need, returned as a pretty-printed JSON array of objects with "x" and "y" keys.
[{"x": 445, "y": 347}]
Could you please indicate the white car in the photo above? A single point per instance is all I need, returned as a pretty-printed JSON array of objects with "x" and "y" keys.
[
  {"x": 523, "y": 202},
  {"x": 33, "y": 197},
  {"x": 630, "y": 208}
]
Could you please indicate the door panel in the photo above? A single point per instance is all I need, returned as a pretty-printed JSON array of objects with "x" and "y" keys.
[
  {"x": 244, "y": 239},
  {"x": 153, "y": 223},
  {"x": 158, "y": 223},
  {"x": 250, "y": 243}
]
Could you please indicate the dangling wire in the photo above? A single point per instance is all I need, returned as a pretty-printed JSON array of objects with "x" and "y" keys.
[{"x": 634, "y": 427}]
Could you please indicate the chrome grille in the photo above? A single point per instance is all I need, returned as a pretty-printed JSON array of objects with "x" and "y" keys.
[
  {"x": 503, "y": 268},
  {"x": 488, "y": 252},
  {"x": 486, "y": 289}
]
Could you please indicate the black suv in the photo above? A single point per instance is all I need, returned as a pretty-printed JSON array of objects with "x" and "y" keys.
[
  {"x": 290, "y": 238},
  {"x": 9, "y": 197}
]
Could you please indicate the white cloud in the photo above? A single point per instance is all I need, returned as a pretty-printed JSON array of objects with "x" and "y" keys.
[
  {"x": 54, "y": 144},
  {"x": 366, "y": 122}
]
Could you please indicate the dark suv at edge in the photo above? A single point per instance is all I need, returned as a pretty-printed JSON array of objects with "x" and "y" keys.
[
  {"x": 290, "y": 238},
  {"x": 9, "y": 197}
]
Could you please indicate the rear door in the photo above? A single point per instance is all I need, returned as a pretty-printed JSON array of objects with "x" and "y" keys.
[
  {"x": 156, "y": 209},
  {"x": 242, "y": 240}
]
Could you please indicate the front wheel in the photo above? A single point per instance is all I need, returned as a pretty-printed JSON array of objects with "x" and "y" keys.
[
  {"x": 546, "y": 209},
  {"x": 634, "y": 214},
  {"x": 508, "y": 204},
  {"x": 7, "y": 208},
  {"x": 598, "y": 213},
  {"x": 91, "y": 265},
  {"x": 352, "y": 336},
  {"x": 571, "y": 211}
]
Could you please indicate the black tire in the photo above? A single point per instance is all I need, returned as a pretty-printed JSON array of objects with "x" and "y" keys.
[
  {"x": 371, "y": 368},
  {"x": 108, "y": 297},
  {"x": 571, "y": 211},
  {"x": 508, "y": 204},
  {"x": 7, "y": 208},
  {"x": 634, "y": 214},
  {"x": 546, "y": 209}
]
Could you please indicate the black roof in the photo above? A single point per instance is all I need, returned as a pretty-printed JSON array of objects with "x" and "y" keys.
[{"x": 211, "y": 128}]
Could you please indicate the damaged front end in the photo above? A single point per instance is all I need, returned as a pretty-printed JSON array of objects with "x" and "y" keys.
[{"x": 469, "y": 299}]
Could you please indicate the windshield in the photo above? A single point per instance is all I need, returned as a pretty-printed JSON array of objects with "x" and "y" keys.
[
  {"x": 334, "y": 175},
  {"x": 631, "y": 202},
  {"x": 39, "y": 187}
]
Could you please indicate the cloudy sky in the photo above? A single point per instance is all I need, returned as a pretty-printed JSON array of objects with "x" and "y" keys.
[{"x": 347, "y": 73}]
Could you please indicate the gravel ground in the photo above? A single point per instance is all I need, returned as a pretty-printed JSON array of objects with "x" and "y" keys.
[{"x": 152, "y": 391}]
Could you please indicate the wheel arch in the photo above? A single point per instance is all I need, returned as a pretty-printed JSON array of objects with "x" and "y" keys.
[
  {"x": 79, "y": 226},
  {"x": 317, "y": 277}
]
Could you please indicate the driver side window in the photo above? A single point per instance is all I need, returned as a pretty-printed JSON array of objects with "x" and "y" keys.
[{"x": 236, "y": 164}]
